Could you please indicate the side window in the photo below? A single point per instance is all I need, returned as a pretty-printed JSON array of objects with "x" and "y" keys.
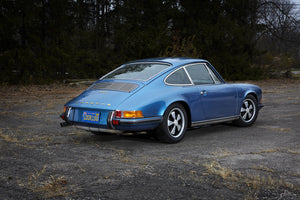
[
  {"x": 216, "y": 79},
  {"x": 199, "y": 74},
  {"x": 178, "y": 77}
]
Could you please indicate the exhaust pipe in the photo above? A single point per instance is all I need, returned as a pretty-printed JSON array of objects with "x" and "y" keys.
[{"x": 64, "y": 124}]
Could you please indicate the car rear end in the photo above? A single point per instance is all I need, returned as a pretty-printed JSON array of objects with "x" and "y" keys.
[{"x": 96, "y": 109}]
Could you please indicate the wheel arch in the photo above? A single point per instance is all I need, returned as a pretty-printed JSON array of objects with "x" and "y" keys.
[
  {"x": 251, "y": 93},
  {"x": 187, "y": 110}
]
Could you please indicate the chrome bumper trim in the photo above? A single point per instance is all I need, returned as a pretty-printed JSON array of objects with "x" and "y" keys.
[{"x": 138, "y": 121}]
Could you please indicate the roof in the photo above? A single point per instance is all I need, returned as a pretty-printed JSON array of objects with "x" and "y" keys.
[{"x": 175, "y": 61}]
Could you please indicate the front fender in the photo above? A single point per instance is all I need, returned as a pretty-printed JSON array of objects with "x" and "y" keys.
[{"x": 246, "y": 89}]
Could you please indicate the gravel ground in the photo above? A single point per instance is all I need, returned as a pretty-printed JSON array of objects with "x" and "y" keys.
[{"x": 41, "y": 160}]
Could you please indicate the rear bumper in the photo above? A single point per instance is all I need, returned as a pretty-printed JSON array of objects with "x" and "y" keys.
[
  {"x": 141, "y": 120},
  {"x": 115, "y": 125},
  {"x": 96, "y": 129},
  {"x": 134, "y": 124}
]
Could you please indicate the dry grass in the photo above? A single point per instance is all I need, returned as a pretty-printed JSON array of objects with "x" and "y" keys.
[
  {"x": 81, "y": 169},
  {"x": 277, "y": 128},
  {"x": 216, "y": 169},
  {"x": 19, "y": 114},
  {"x": 120, "y": 155},
  {"x": 49, "y": 105},
  {"x": 286, "y": 149},
  {"x": 53, "y": 187},
  {"x": 8, "y": 138},
  {"x": 28, "y": 114},
  {"x": 256, "y": 182},
  {"x": 286, "y": 130},
  {"x": 293, "y": 98},
  {"x": 293, "y": 151},
  {"x": 44, "y": 138},
  {"x": 24, "y": 142},
  {"x": 263, "y": 168},
  {"x": 222, "y": 154}
]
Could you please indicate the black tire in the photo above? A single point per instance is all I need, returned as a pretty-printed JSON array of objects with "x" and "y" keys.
[
  {"x": 248, "y": 112},
  {"x": 174, "y": 124}
]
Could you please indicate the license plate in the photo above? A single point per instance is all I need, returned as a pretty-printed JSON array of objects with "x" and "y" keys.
[{"x": 90, "y": 116}]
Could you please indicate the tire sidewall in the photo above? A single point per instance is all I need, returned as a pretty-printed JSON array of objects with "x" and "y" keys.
[
  {"x": 240, "y": 121},
  {"x": 163, "y": 131}
]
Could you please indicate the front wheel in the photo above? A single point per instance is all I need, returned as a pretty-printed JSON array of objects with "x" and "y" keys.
[
  {"x": 174, "y": 124},
  {"x": 248, "y": 112}
]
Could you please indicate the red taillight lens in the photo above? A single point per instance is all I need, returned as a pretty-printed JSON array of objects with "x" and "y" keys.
[
  {"x": 118, "y": 114},
  {"x": 115, "y": 122}
]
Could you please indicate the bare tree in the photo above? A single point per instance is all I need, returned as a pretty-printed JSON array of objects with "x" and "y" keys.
[{"x": 280, "y": 22}]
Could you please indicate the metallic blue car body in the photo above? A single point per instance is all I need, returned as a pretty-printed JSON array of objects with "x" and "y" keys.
[{"x": 203, "y": 103}]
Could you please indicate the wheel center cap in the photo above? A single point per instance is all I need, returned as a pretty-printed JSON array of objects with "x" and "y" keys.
[{"x": 176, "y": 123}]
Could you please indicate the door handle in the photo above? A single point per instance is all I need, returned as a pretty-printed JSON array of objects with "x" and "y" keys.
[{"x": 203, "y": 92}]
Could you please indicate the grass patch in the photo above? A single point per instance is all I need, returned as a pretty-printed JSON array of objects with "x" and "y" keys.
[
  {"x": 286, "y": 130},
  {"x": 293, "y": 152},
  {"x": 24, "y": 142},
  {"x": 263, "y": 168},
  {"x": 222, "y": 154},
  {"x": 53, "y": 187},
  {"x": 277, "y": 129},
  {"x": 119, "y": 155},
  {"x": 8, "y": 138},
  {"x": 287, "y": 150},
  {"x": 234, "y": 179}
]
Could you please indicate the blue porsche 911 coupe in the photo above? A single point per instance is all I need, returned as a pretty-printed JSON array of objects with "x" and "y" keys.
[{"x": 165, "y": 96}]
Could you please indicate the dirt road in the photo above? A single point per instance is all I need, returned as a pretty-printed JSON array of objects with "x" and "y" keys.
[{"x": 41, "y": 160}]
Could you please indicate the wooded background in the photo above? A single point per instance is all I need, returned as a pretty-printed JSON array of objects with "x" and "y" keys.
[{"x": 46, "y": 40}]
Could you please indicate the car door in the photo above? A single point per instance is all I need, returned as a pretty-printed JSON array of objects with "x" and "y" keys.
[
  {"x": 218, "y": 100},
  {"x": 187, "y": 90}
]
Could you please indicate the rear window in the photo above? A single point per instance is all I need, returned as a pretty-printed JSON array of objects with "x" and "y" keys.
[{"x": 137, "y": 71}]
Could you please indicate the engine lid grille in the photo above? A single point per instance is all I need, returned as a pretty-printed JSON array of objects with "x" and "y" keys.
[{"x": 117, "y": 86}]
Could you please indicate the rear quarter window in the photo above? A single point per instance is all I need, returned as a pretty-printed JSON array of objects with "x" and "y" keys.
[{"x": 178, "y": 77}]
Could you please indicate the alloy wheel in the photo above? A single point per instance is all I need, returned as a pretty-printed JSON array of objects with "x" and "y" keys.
[
  {"x": 176, "y": 122},
  {"x": 248, "y": 110}
]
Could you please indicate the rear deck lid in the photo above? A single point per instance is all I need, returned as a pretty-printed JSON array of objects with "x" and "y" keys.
[{"x": 105, "y": 95}]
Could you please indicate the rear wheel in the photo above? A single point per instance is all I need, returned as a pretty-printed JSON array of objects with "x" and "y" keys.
[
  {"x": 174, "y": 124},
  {"x": 248, "y": 112}
]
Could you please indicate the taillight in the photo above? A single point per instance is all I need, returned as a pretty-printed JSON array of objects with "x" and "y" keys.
[
  {"x": 115, "y": 122},
  {"x": 118, "y": 114},
  {"x": 63, "y": 115},
  {"x": 65, "y": 108},
  {"x": 128, "y": 114},
  {"x": 132, "y": 114}
]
